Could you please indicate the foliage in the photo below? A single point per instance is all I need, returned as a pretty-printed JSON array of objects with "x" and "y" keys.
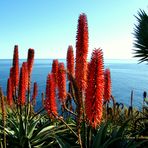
[
  {"x": 33, "y": 130},
  {"x": 141, "y": 36}
]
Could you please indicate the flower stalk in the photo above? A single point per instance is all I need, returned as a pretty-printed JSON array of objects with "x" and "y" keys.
[{"x": 3, "y": 116}]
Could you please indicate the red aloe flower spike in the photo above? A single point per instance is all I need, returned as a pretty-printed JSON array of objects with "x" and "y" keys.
[
  {"x": 81, "y": 52},
  {"x": 16, "y": 67},
  {"x": 9, "y": 92},
  {"x": 30, "y": 60},
  {"x": 35, "y": 92},
  {"x": 50, "y": 101},
  {"x": 55, "y": 71},
  {"x": 107, "y": 85},
  {"x": 70, "y": 60},
  {"x": 95, "y": 88},
  {"x": 62, "y": 82},
  {"x": 22, "y": 86},
  {"x": 25, "y": 65},
  {"x": 12, "y": 78}
]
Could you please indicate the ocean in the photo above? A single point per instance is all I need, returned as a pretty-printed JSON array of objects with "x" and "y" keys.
[{"x": 126, "y": 75}]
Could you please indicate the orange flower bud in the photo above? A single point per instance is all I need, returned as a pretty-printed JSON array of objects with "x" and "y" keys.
[{"x": 55, "y": 71}]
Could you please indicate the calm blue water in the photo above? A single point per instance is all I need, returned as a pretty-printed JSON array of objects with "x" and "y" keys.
[{"x": 126, "y": 76}]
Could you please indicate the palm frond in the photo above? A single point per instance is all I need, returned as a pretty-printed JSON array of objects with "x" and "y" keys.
[{"x": 141, "y": 36}]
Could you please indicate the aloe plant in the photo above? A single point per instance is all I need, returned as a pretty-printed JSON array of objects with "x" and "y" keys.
[
  {"x": 109, "y": 135},
  {"x": 30, "y": 130}
]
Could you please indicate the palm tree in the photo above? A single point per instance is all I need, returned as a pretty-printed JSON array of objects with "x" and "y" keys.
[{"x": 141, "y": 36}]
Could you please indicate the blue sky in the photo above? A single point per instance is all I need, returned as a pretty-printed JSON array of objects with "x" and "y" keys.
[{"x": 49, "y": 26}]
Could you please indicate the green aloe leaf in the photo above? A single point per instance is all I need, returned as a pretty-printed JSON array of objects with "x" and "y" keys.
[
  {"x": 46, "y": 137},
  {"x": 46, "y": 129},
  {"x": 123, "y": 128},
  {"x": 111, "y": 141},
  {"x": 39, "y": 145},
  {"x": 32, "y": 127},
  {"x": 62, "y": 143},
  {"x": 98, "y": 138},
  {"x": 14, "y": 125},
  {"x": 138, "y": 144},
  {"x": 48, "y": 145},
  {"x": 9, "y": 132}
]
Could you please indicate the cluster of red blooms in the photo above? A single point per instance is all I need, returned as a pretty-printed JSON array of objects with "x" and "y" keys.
[
  {"x": 107, "y": 85},
  {"x": 90, "y": 78},
  {"x": 35, "y": 91},
  {"x": 30, "y": 60},
  {"x": 70, "y": 61},
  {"x": 55, "y": 71},
  {"x": 81, "y": 52},
  {"x": 22, "y": 85},
  {"x": 18, "y": 85},
  {"x": 62, "y": 82},
  {"x": 57, "y": 75},
  {"x": 15, "y": 67},
  {"x": 95, "y": 88},
  {"x": 13, "y": 80},
  {"x": 50, "y": 101}
]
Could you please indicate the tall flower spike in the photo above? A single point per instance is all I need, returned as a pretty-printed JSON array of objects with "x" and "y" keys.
[
  {"x": 12, "y": 78},
  {"x": 70, "y": 61},
  {"x": 30, "y": 60},
  {"x": 25, "y": 65},
  {"x": 95, "y": 88},
  {"x": 62, "y": 82},
  {"x": 107, "y": 85},
  {"x": 16, "y": 67},
  {"x": 22, "y": 86},
  {"x": 55, "y": 71},
  {"x": 81, "y": 52},
  {"x": 4, "y": 116},
  {"x": 9, "y": 92},
  {"x": 35, "y": 92},
  {"x": 50, "y": 101}
]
